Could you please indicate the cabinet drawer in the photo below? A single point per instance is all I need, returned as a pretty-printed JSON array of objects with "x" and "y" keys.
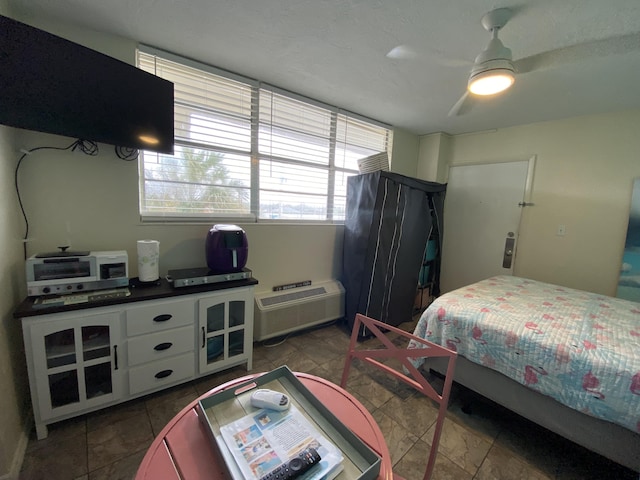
[
  {"x": 156, "y": 346},
  {"x": 164, "y": 372},
  {"x": 159, "y": 316}
]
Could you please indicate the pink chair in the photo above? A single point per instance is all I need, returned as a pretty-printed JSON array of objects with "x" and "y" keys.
[{"x": 413, "y": 377}]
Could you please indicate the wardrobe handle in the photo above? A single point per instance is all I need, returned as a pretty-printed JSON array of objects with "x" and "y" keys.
[
  {"x": 162, "y": 318},
  {"x": 163, "y": 374},
  {"x": 204, "y": 337},
  {"x": 115, "y": 356},
  {"x": 162, "y": 346}
]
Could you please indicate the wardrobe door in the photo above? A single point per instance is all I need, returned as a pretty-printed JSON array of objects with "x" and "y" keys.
[
  {"x": 395, "y": 253},
  {"x": 361, "y": 213}
]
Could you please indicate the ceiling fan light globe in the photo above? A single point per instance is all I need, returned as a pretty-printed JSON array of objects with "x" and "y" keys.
[{"x": 491, "y": 82}]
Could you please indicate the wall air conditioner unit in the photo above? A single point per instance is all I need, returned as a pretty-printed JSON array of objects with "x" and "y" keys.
[{"x": 277, "y": 313}]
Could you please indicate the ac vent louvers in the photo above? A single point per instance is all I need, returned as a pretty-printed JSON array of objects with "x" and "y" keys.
[
  {"x": 287, "y": 297},
  {"x": 279, "y": 313}
]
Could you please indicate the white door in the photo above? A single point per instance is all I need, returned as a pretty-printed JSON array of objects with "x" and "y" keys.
[{"x": 482, "y": 212}]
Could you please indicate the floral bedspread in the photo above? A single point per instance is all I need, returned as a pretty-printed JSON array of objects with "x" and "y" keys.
[{"x": 579, "y": 348}]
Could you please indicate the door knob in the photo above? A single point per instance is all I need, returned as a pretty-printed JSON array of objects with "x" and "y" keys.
[{"x": 507, "y": 258}]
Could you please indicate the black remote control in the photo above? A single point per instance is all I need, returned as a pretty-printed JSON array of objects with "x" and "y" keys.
[{"x": 294, "y": 467}]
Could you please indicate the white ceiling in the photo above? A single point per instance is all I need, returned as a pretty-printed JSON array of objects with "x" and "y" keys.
[{"x": 335, "y": 51}]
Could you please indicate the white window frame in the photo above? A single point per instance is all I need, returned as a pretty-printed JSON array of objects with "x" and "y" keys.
[{"x": 255, "y": 157}]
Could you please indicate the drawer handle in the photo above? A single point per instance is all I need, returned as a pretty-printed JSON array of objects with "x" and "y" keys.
[
  {"x": 162, "y": 318},
  {"x": 163, "y": 374},
  {"x": 163, "y": 346}
]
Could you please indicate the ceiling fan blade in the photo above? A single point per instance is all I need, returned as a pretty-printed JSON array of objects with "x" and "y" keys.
[
  {"x": 407, "y": 52},
  {"x": 577, "y": 53},
  {"x": 402, "y": 52},
  {"x": 462, "y": 106}
]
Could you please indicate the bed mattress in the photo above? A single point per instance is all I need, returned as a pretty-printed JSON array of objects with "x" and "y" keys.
[{"x": 580, "y": 348}]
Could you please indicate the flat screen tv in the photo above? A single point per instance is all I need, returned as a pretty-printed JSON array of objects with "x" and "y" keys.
[{"x": 49, "y": 84}]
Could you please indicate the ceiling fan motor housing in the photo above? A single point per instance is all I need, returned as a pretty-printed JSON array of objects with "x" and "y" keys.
[
  {"x": 495, "y": 59},
  {"x": 495, "y": 50}
]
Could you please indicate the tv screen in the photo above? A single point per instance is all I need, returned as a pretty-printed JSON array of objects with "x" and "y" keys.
[{"x": 49, "y": 84}]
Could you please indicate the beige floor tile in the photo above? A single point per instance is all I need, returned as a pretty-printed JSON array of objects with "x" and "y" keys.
[
  {"x": 204, "y": 384},
  {"x": 161, "y": 409},
  {"x": 101, "y": 418},
  {"x": 59, "y": 433},
  {"x": 462, "y": 446},
  {"x": 262, "y": 365},
  {"x": 416, "y": 413},
  {"x": 275, "y": 349},
  {"x": 413, "y": 465},
  {"x": 64, "y": 459},
  {"x": 297, "y": 361},
  {"x": 399, "y": 440},
  {"x": 118, "y": 440},
  {"x": 124, "y": 469},
  {"x": 368, "y": 391},
  {"x": 330, "y": 370}
]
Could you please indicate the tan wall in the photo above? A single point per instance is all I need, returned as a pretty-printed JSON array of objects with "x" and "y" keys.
[
  {"x": 13, "y": 374},
  {"x": 405, "y": 153},
  {"x": 584, "y": 174},
  {"x": 435, "y": 150},
  {"x": 92, "y": 203}
]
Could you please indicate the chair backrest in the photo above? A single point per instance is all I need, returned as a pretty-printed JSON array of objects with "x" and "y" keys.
[{"x": 420, "y": 348}]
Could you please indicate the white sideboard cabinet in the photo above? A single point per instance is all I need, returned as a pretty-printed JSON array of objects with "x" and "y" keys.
[{"x": 88, "y": 356}]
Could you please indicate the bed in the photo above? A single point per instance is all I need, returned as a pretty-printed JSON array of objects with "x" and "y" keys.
[{"x": 566, "y": 359}]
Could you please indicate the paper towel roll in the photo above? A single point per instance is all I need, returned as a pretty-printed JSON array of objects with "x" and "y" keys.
[{"x": 148, "y": 255}]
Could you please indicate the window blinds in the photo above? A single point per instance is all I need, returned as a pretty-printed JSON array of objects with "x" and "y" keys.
[{"x": 248, "y": 150}]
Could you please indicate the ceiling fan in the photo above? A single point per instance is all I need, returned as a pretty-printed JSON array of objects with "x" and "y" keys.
[{"x": 494, "y": 70}]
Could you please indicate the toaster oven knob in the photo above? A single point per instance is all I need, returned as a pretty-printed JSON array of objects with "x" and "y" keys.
[
  {"x": 69, "y": 287},
  {"x": 46, "y": 290},
  {"x": 80, "y": 286}
]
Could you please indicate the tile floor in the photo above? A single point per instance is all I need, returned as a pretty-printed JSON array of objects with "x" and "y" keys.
[{"x": 489, "y": 443}]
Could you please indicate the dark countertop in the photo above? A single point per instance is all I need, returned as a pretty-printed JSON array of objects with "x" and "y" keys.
[{"x": 138, "y": 293}]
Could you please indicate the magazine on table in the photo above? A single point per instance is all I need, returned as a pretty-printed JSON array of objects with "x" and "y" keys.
[{"x": 265, "y": 439}]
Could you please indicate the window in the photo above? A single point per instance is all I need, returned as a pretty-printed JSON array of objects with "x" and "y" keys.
[{"x": 248, "y": 151}]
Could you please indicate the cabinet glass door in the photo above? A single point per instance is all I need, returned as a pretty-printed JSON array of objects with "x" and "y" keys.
[
  {"x": 60, "y": 348},
  {"x": 215, "y": 332},
  {"x": 77, "y": 364},
  {"x": 226, "y": 336},
  {"x": 60, "y": 354},
  {"x": 96, "y": 353},
  {"x": 236, "y": 335}
]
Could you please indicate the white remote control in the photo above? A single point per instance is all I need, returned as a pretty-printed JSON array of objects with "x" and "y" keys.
[{"x": 264, "y": 398}]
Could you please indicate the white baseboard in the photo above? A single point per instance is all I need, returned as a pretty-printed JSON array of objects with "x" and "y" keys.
[{"x": 18, "y": 456}]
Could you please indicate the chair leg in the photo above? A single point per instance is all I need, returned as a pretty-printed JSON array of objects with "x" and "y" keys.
[{"x": 411, "y": 376}]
